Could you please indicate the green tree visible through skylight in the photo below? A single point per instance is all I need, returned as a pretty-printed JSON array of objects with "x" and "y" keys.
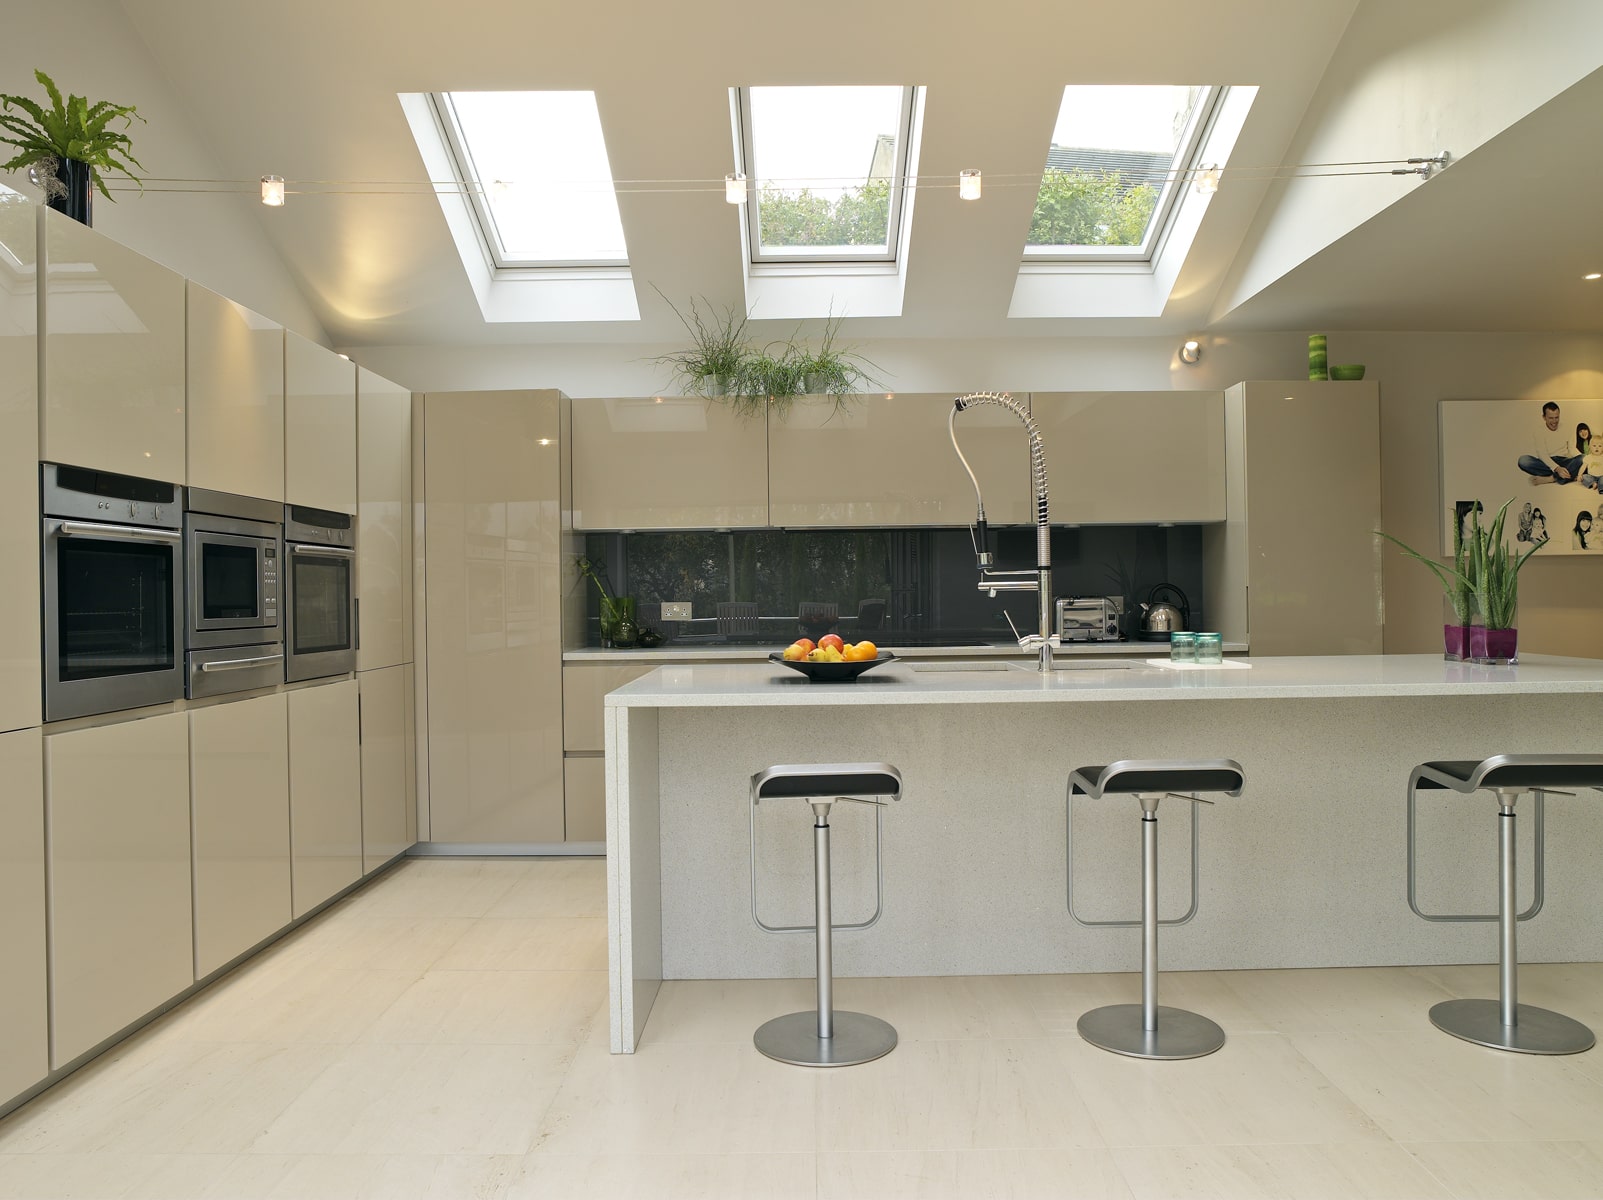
[
  {"x": 858, "y": 216},
  {"x": 1075, "y": 208}
]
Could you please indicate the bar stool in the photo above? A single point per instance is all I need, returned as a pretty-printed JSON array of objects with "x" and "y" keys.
[
  {"x": 824, "y": 1037},
  {"x": 1148, "y": 1030},
  {"x": 1504, "y": 1023}
]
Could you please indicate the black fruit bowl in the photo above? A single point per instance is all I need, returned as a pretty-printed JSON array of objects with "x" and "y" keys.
[{"x": 841, "y": 672}]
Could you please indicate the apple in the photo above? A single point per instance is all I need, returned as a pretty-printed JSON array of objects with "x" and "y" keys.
[
  {"x": 832, "y": 639},
  {"x": 807, "y": 644}
]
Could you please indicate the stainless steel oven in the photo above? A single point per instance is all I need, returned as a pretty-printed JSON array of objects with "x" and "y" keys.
[
  {"x": 113, "y": 607},
  {"x": 233, "y": 547},
  {"x": 320, "y": 601}
]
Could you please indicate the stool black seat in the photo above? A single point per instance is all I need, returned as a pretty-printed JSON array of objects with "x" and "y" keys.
[
  {"x": 825, "y": 1037},
  {"x": 1504, "y": 1023},
  {"x": 1148, "y": 1030}
]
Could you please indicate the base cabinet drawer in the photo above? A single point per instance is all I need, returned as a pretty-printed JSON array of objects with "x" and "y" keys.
[
  {"x": 325, "y": 792},
  {"x": 24, "y": 1028},
  {"x": 121, "y": 940},
  {"x": 239, "y": 779}
]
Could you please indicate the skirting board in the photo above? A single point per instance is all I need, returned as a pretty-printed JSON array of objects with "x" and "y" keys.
[{"x": 509, "y": 849}]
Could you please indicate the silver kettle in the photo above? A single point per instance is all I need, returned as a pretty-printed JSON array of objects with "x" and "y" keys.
[{"x": 1158, "y": 617}]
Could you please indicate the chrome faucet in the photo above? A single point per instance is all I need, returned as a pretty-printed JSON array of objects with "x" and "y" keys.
[{"x": 992, "y": 580}]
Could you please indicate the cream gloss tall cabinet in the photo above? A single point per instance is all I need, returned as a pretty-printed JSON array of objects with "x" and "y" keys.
[
  {"x": 113, "y": 380},
  {"x": 887, "y": 460},
  {"x": 239, "y": 794},
  {"x": 319, "y": 426},
  {"x": 118, "y": 855},
  {"x": 1295, "y": 568},
  {"x": 235, "y": 397},
  {"x": 383, "y": 521},
  {"x": 492, "y": 529},
  {"x": 19, "y": 469},
  {"x": 325, "y": 792},
  {"x": 24, "y": 1029},
  {"x": 388, "y": 798}
]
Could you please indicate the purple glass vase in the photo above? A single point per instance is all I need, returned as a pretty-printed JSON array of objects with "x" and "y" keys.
[
  {"x": 1497, "y": 647},
  {"x": 1455, "y": 643}
]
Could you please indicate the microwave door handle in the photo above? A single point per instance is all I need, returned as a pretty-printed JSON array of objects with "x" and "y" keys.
[
  {"x": 306, "y": 548},
  {"x": 118, "y": 533},
  {"x": 239, "y": 664}
]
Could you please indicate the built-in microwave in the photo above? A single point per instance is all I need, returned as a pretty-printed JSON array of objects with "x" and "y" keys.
[
  {"x": 320, "y": 599},
  {"x": 233, "y": 548},
  {"x": 112, "y": 586}
]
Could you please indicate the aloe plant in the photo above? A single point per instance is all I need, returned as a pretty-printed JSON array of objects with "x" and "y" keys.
[
  {"x": 1484, "y": 575},
  {"x": 70, "y": 128}
]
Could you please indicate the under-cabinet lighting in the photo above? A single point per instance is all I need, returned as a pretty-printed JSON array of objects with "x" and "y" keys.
[
  {"x": 1593, "y": 275},
  {"x": 545, "y": 441},
  {"x": 735, "y": 189},
  {"x": 273, "y": 191},
  {"x": 968, "y": 185}
]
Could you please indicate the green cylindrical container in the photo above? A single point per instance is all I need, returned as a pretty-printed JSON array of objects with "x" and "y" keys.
[{"x": 1318, "y": 361}]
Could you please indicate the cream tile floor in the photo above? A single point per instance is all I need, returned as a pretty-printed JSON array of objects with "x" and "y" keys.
[{"x": 443, "y": 1034}]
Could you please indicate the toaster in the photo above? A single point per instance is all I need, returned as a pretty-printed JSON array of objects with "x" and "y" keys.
[{"x": 1090, "y": 618}]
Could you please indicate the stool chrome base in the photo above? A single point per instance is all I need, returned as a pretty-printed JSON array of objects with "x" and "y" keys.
[
  {"x": 793, "y": 1038},
  {"x": 1537, "y": 1031},
  {"x": 1180, "y": 1034}
]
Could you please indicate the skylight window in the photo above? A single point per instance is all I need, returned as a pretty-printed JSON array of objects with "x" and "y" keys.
[
  {"x": 826, "y": 168},
  {"x": 1121, "y": 157},
  {"x": 535, "y": 165}
]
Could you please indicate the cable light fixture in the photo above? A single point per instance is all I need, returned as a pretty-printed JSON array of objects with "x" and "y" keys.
[{"x": 734, "y": 187}]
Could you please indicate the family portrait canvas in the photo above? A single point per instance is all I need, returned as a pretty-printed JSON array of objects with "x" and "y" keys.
[{"x": 1543, "y": 453}]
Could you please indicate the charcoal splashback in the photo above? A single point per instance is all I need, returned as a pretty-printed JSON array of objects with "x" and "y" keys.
[{"x": 924, "y": 577}]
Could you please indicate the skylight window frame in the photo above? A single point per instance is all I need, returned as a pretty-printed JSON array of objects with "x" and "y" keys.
[
  {"x": 825, "y": 256},
  {"x": 484, "y": 223},
  {"x": 1181, "y": 169}
]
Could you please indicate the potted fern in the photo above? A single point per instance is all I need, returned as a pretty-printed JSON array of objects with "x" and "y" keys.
[
  {"x": 1481, "y": 589},
  {"x": 68, "y": 147}
]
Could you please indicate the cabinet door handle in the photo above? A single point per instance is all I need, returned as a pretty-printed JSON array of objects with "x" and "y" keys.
[
  {"x": 133, "y": 533},
  {"x": 238, "y": 664}
]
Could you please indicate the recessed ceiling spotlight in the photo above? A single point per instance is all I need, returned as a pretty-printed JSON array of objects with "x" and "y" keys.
[{"x": 1593, "y": 275}]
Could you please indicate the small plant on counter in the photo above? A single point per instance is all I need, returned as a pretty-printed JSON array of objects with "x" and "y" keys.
[
  {"x": 616, "y": 612},
  {"x": 1481, "y": 584},
  {"x": 71, "y": 129}
]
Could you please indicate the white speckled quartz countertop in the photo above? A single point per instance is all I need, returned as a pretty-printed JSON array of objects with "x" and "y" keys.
[
  {"x": 759, "y": 653},
  {"x": 712, "y": 685}
]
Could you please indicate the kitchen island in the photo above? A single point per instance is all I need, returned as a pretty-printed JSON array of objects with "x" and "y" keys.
[{"x": 1305, "y": 868}]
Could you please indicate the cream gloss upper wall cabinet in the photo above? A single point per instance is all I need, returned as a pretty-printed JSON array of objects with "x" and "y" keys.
[
  {"x": 121, "y": 927},
  {"x": 384, "y": 521},
  {"x": 1296, "y": 568},
  {"x": 319, "y": 426},
  {"x": 19, "y": 466},
  {"x": 888, "y": 460},
  {"x": 1132, "y": 458},
  {"x": 236, "y": 397},
  {"x": 492, "y": 487},
  {"x": 114, "y": 356},
  {"x": 667, "y": 462},
  {"x": 24, "y": 1030}
]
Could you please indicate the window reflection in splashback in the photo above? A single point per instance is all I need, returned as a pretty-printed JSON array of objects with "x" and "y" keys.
[{"x": 898, "y": 584}]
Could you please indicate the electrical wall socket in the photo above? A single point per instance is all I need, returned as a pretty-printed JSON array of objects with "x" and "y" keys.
[{"x": 675, "y": 610}]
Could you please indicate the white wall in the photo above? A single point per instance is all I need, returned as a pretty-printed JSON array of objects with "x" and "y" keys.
[
  {"x": 89, "y": 47},
  {"x": 1411, "y": 79}
]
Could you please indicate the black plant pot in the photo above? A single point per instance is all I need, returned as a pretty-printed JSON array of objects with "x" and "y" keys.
[{"x": 79, "y": 180}]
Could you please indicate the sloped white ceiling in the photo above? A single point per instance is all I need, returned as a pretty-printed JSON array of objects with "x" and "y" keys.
[{"x": 307, "y": 89}]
